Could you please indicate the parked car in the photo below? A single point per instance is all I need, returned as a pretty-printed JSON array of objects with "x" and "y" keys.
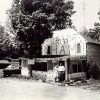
[{"x": 11, "y": 70}]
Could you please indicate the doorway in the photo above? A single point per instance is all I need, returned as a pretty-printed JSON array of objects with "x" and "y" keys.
[{"x": 62, "y": 62}]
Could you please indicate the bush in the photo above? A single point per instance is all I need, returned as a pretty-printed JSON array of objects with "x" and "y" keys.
[
  {"x": 2, "y": 66},
  {"x": 92, "y": 70},
  {"x": 38, "y": 76}
]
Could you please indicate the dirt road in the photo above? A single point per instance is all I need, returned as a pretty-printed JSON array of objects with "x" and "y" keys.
[{"x": 20, "y": 89}]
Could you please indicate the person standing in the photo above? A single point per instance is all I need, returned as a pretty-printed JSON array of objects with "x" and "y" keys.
[
  {"x": 55, "y": 69},
  {"x": 61, "y": 71}
]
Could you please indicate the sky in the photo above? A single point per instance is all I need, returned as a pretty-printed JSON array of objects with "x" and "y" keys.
[
  {"x": 91, "y": 9},
  {"x": 91, "y": 13},
  {"x": 4, "y": 5}
]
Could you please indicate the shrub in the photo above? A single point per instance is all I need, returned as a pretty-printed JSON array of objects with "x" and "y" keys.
[{"x": 92, "y": 70}]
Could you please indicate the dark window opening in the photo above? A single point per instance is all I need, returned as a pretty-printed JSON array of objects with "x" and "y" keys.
[
  {"x": 84, "y": 65},
  {"x": 48, "y": 50},
  {"x": 74, "y": 66},
  {"x": 62, "y": 62},
  {"x": 40, "y": 66},
  {"x": 79, "y": 67},
  {"x": 78, "y": 48}
]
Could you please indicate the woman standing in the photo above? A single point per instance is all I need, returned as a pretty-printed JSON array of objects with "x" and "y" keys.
[{"x": 55, "y": 69}]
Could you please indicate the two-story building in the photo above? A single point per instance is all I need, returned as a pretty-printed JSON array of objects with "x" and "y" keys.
[{"x": 72, "y": 49}]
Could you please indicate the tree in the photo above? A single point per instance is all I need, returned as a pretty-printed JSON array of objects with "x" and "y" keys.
[
  {"x": 34, "y": 20},
  {"x": 8, "y": 44},
  {"x": 95, "y": 32},
  {"x": 4, "y": 42},
  {"x": 92, "y": 70}
]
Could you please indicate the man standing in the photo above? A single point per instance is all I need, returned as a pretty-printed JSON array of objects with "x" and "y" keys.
[{"x": 61, "y": 71}]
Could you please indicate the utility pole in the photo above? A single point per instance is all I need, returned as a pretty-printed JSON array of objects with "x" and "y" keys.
[{"x": 84, "y": 8}]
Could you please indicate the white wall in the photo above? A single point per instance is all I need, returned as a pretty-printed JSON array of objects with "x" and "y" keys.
[{"x": 64, "y": 42}]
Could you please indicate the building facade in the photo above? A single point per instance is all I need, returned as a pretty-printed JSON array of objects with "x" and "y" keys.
[
  {"x": 74, "y": 51},
  {"x": 65, "y": 42}
]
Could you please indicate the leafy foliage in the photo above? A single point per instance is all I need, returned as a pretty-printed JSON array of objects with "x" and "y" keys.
[
  {"x": 95, "y": 32},
  {"x": 4, "y": 42},
  {"x": 34, "y": 20},
  {"x": 92, "y": 70}
]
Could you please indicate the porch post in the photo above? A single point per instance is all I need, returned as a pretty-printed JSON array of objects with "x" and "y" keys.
[{"x": 66, "y": 70}]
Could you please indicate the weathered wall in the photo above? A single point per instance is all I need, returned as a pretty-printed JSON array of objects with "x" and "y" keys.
[{"x": 93, "y": 53}]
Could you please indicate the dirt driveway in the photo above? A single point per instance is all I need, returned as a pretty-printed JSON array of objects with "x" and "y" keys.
[{"x": 21, "y": 89}]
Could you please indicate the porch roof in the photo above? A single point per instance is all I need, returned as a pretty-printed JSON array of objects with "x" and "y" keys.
[{"x": 60, "y": 57}]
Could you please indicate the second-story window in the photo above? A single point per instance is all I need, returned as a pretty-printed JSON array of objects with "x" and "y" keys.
[
  {"x": 48, "y": 50},
  {"x": 78, "y": 48}
]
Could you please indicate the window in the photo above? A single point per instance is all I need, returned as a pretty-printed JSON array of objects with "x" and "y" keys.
[
  {"x": 74, "y": 66},
  {"x": 39, "y": 66},
  {"x": 48, "y": 50},
  {"x": 77, "y": 67},
  {"x": 78, "y": 48}
]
